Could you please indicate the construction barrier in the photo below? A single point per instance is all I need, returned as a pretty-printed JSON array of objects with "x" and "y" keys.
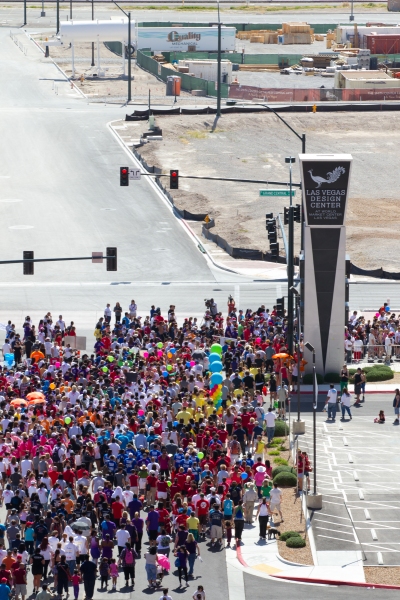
[{"x": 246, "y": 92}]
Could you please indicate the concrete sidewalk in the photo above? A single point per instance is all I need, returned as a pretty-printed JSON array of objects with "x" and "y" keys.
[{"x": 261, "y": 558}]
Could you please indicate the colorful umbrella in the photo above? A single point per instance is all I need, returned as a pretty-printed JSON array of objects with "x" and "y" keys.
[
  {"x": 281, "y": 355},
  {"x": 36, "y": 396},
  {"x": 18, "y": 402},
  {"x": 37, "y": 401}
]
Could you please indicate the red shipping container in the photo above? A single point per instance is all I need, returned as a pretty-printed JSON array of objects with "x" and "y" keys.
[{"x": 382, "y": 43}]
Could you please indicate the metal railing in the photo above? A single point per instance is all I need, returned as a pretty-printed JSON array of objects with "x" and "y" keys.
[{"x": 374, "y": 353}]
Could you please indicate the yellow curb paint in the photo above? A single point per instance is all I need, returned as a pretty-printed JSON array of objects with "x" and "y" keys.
[{"x": 267, "y": 569}]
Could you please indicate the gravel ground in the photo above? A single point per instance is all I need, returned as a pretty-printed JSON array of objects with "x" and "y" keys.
[
  {"x": 276, "y": 80},
  {"x": 254, "y": 147},
  {"x": 385, "y": 575},
  {"x": 293, "y": 521}
]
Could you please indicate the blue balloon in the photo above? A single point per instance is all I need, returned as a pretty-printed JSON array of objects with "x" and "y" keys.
[
  {"x": 244, "y": 476},
  {"x": 216, "y": 367},
  {"x": 216, "y": 379},
  {"x": 188, "y": 364},
  {"x": 387, "y": 309},
  {"x": 9, "y": 356},
  {"x": 165, "y": 373},
  {"x": 176, "y": 423},
  {"x": 172, "y": 350},
  {"x": 214, "y": 357}
]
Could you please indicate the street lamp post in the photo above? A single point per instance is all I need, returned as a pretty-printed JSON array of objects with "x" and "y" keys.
[
  {"x": 92, "y": 42},
  {"x": 352, "y": 11},
  {"x": 314, "y": 500},
  {"x": 290, "y": 259},
  {"x": 129, "y": 52},
  {"x": 219, "y": 67},
  {"x": 58, "y": 16},
  {"x": 70, "y": 10},
  {"x": 299, "y": 426},
  {"x": 301, "y": 137}
]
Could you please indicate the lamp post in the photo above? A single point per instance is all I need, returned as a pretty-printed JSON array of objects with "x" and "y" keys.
[
  {"x": 70, "y": 10},
  {"x": 24, "y": 12},
  {"x": 58, "y": 16},
  {"x": 92, "y": 42},
  {"x": 129, "y": 52},
  {"x": 299, "y": 426},
  {"x": 290, "y": 259},
  {"x": 301, "y": 137},
  {"x": 314, "y": 500},
  {"x": 219, "y": 67},
  {"x": 352, "y": 11}
]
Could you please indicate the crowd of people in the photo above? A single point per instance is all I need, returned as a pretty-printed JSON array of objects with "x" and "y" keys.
[{"x": 122, "y": 457}]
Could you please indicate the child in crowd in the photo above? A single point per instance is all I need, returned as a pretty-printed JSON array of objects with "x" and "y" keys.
[
  {"x": 76, "y": 580},
  {"x": 104, "y": 572},
  {"x": 380, "y": 418},
  {"x": 114, "y": 572}
]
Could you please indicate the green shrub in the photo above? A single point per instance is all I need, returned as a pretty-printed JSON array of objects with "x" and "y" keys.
[
  {"x": 281, "y": 461},
  {"x": 288, "y": 534},
  {"x": 281, "y": 429},
  {"x": 332, "y": 378},
  {"x": 281, "y": 469},
  {"x": 275, "y": 443},
  {"x": 282, "y": 449},
  {"x": 295, "y": 542},
  {"x": 286, "y": 479},
  {"x": 274, "y": 453},
  {"x": 308, "y": 379},
  {"x": 380, "y": 373}
]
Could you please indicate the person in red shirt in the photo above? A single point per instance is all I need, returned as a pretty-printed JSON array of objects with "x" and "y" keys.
[
  {"x": 181, "y": 478},
  {"x": 134, "y": 482},
  {"x": 54, "y": 476},
  {"x": 200, "y": 441},
  {"x": 162, "y": 488},
  {"x": 174, "y": 488},
  {"x": 117, "y": 508},
  {"x": 152, "y": 484},
  {"x": 182, "y": 518},
  {"x": 163, "y": 520},
  {"x": 222, "y": 434},
  {"x": 69, "y": 476},
  {"x": 202, "y": 510}
]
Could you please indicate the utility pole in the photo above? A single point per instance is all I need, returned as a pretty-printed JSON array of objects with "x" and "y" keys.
[
  {"x": 58, "y": 16},
  {"x": 70, "y": 10},
  {"x": 219, "y": 67},
  {"x": 290, "y": 260},
  {"x": 92, "y": 42},
  {"x": 129, "y": 52},
  {"x": 24, "y": 12}
]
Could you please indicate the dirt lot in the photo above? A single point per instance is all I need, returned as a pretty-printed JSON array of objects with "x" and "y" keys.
[{"x": 254, "y": 147}]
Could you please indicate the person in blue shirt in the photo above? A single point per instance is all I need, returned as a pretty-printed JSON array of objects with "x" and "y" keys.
[
  {"x": 178, "y": 457},
  {"x": 111, "y": 463},
  {"x": 129, "y": 462},
  {"x": 123, "y": 439},
  {"x": 186, "y": 463},
  {"x": 5, "y": 591}
]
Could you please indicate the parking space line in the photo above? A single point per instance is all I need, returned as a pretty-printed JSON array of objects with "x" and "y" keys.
[
  {"x": 367, "y": 515},
  {"x": 330, "y": 537},
  {"x": 373, "y": 535},
  {"x": 336, "y": 531},
  {"x": 332, "y": 523},
  {"x": 380, "y": 558}
]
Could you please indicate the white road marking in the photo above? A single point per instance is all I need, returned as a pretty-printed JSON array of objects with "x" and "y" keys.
[
  {"x": 349, "y": 456},
  {"x": 355, "y": 475},
  {"x": 373, "y": 535},
  {"x": 380, "y": 558},
  {"x": 367, "y": 515}
]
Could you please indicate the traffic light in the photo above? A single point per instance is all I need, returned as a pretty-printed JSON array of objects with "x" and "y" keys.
[
  {"x": 29, "y": 267},
  {"x": 297, "y": 213},
  {"x": 274, "y": 247},
  {"x": 271, "y": 225},
  {"x": 174, "y": 179},
  {"x": 272, "y": 237},
  {"x": 111, "y": 254},
  {"x": 124, "y": 176},
  {"x": 280, "y": 307},
  {"x": 269, "y": 216},
  {"x": 286, "y": 215}
]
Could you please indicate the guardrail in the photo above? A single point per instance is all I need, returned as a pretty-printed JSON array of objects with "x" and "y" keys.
[
  {"x": 373, "y": 353},
  {"x": 18, "y": 43}
]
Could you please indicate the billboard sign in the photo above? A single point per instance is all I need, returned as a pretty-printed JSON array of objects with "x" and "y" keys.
[
  {"x": 184, "y": 39},
  {"x": 325, "y": 184}
]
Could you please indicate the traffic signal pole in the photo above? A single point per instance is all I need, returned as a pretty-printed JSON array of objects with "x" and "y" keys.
[{"x": 290, "y": 261}]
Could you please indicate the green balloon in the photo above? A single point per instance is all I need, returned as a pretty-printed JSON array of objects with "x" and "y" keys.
[
  {"x": 104, "y": 369},
  {"x": 169, "y": 483},
  {"x": 216, "y": 348},
  {"x": 160, "y": 345},
  {"x": 120, "y": 363},
  {"x": 169, "y": 367},
  {"x": 110, "y": 358},
  {"x": 67, "y": 420}
]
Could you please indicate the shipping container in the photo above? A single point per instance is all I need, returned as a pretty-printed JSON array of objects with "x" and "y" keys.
[
  {"x": 186, "y": 39},
  {"x": 383, "y": 44}
]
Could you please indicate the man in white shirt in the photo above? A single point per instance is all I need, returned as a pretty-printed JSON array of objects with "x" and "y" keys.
[
  {"x": 26, "y": 465},
  {"x": 276, "y": 495},
  {"x": 107, "y": 314},
  {"x": 97, "y": 482},
  {"x": 132, "y": 309},
  {"x": 61, "y": 323},
  {"x": 71, "y": 552},
  {"x": 123, "y": 537},
  {"x": 270, "y": 418},
  {"x": 6, "y": 347},
  {"x": 331, "y": 402}
]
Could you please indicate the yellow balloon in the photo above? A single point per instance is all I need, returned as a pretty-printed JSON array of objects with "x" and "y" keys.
[
  {"x": 52, "y": 386},
  {"x": 169, "y": 355}
]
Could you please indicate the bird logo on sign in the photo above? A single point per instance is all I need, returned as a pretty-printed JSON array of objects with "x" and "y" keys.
[{"x": 331, "y": 176}]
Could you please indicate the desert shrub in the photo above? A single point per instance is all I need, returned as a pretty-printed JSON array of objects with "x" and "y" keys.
[
  {"x": 295, "y": 542},
  {"x": 286, "y": 479}
]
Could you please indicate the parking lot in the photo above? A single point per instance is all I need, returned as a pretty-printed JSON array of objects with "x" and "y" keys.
[{"x": 357, "y": 473}]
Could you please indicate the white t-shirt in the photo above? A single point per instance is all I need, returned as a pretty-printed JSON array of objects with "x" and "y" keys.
[
  {"x": 346, "y": 400},
  {"x": 7, "y": 495},
  {"x": 71, "y": 551},
  {"x": 122, "y": 537},
  {"x": 332, "y": 396},
  {"x": 275, "y": 495},
  {"x": 270, "y": 419}
]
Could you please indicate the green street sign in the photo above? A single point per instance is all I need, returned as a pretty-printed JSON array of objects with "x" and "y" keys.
[{"x": 277, "y": 193}]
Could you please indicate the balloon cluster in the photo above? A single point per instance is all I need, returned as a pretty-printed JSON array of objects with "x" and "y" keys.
[{"x": 216, "y": 377}]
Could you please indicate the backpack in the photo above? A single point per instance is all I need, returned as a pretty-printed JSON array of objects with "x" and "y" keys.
[
  {"x": 55, "y": 457},
  {"x": 128, "y": 558},
  {"x": 164, "y": 541}
]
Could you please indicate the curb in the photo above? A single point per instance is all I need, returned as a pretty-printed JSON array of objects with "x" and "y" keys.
[{"x": 336, "y": 583}]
